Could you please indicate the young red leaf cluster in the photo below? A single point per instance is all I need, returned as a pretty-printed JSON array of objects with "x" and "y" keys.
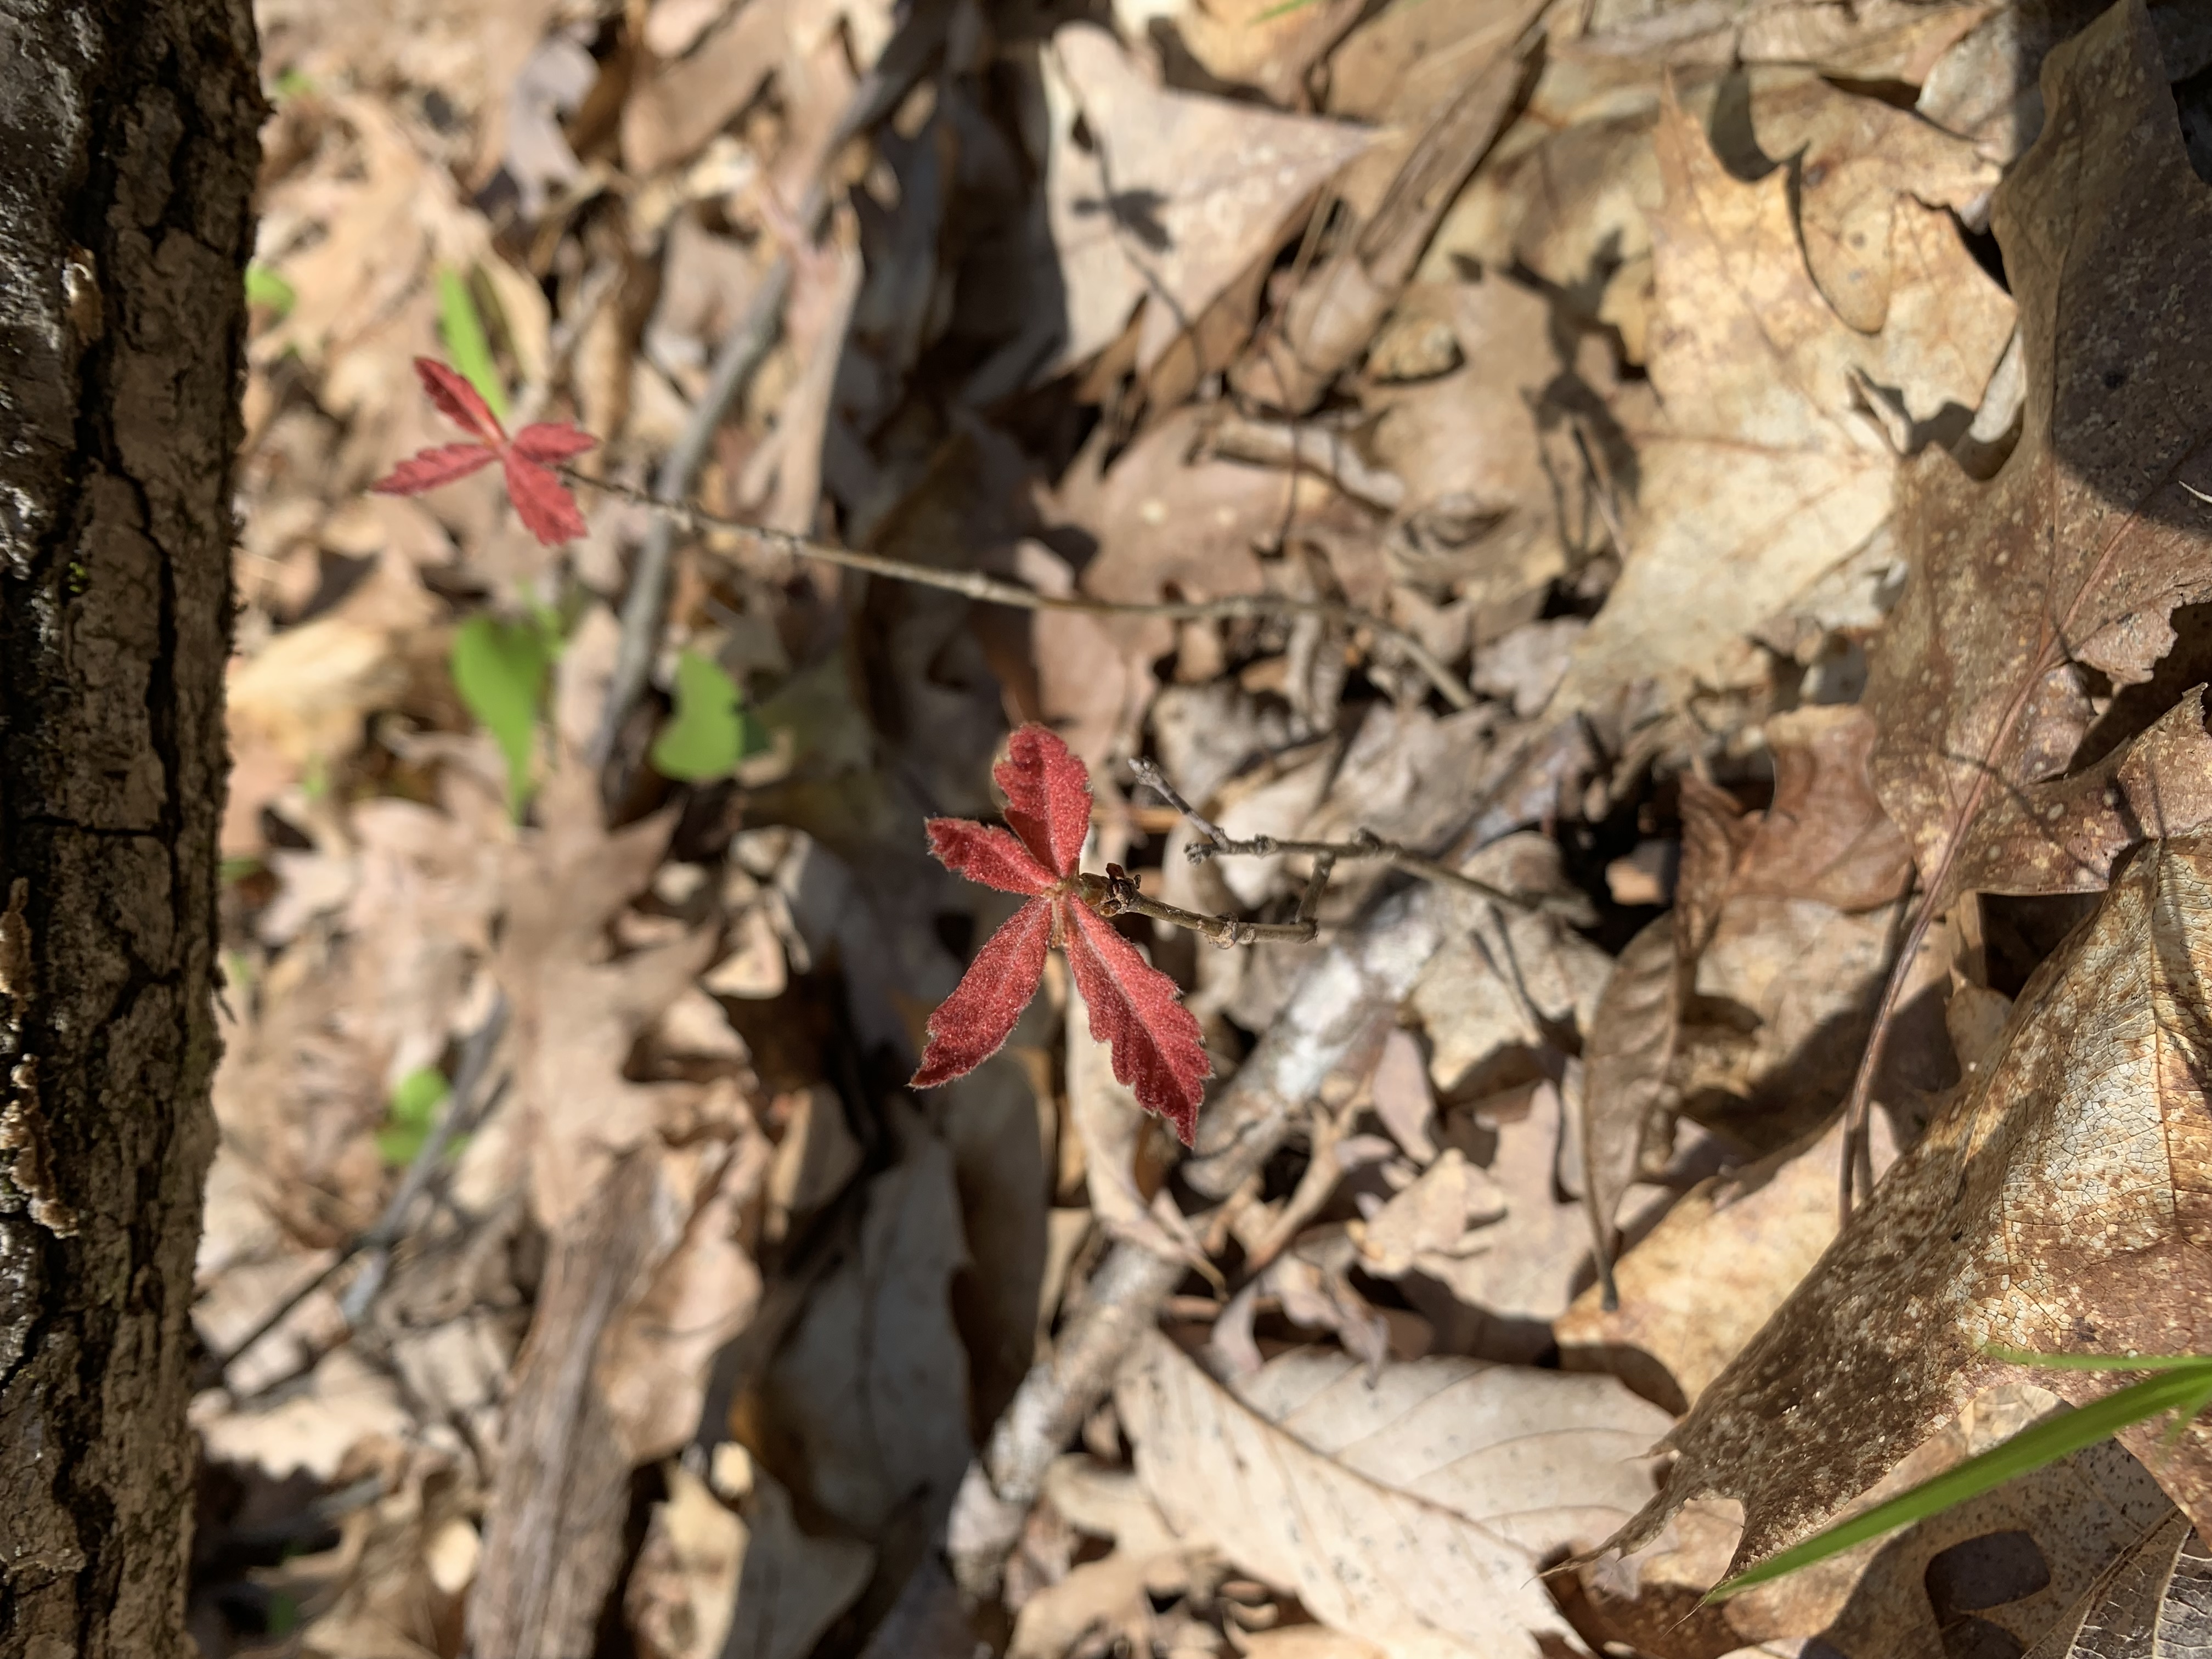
[
  {"x": 543, "y": 505},
  {"x": 1135, "y": 1009}
]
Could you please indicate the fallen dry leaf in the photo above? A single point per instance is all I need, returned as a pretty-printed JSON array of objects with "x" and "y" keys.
[
  {"x": 576, "y": 1015},
  {"x": 1859, "y": 162},
  {"x": 1111, "y": 1596},
  {"x": 865, "y": 1406},
  {"x": 684, "y": 1582},
  {"x": 2052, "y": 1206},
  {"x": 1762, "y": 472},
  {"x": 1698, "y": 1286},
  {"x": 2076, "y": 553},
  {"x": 1176, "y": 197},
  {"x": 1825, "y": 835},
  {"x": 1989, "y": 1575},
  {"x": 1411, "y": 1514},
  {"x": 2156, "y": 1599}
]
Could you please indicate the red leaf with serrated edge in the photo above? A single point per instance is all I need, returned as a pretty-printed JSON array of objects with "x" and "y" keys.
[
  {"x": 460, "y": 401},
  {"x": 1137, "y": 1012},
  {"x": 549, "y": 441},
  {"x": 989, "y": 855},
  {"x": 973, "y": 1024},
  {"x": 1047, "y": 797},
  {"x": 544, "y": 507},
  {"x": 427, "y": 468}
]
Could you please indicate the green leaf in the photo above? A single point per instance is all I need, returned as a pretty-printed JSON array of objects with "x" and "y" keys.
[
  {"x": 237, "y": 867},
  {"x": 707, "y": 736},
  {"x": 415, "y": 1101},
  {"x": 499, "y": 670},
  {"x": 2185, "y": 1388},
  {"x": 466, "y": 345},
  {"x": 265, "y": 288}
]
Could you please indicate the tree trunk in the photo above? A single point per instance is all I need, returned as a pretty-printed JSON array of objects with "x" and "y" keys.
[{"x": 127, "y": 153}]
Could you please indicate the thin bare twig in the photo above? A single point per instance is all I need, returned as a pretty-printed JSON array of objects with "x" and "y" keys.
[
  {"x": 1116, "y": 894},
  {"x": 990, "y": 590},
  {"x": 1216, "y": 842}
]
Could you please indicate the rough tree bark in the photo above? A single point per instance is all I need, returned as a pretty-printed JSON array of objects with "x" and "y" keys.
[{"x": 127, "y": 152}]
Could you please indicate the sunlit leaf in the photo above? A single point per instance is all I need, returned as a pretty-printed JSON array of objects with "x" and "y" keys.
[{"x": 707, "y": 736}]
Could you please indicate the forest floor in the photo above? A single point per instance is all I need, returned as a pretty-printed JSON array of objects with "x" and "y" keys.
[{"x": 1705, "y": 505}]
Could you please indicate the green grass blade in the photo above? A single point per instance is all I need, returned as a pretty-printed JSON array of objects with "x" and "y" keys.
[
  {"x": 2101, "y": 1362},
  {"x": 2047, "y": 1443},
  {"x": 466, "y": 343},
  {"x": 500, "y": 669}
]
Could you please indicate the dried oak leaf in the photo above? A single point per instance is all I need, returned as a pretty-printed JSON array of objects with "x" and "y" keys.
[
  {"x": 1408, "y": 1507},
  {"x": 1770, "y": 885},
  {"x": 1765, "y": 469},
  {"x": 576, "y": 1015},
  {"x": 2077, "y": 554},
  {"x": 1135, "y": 1009},
  {"x": 2155, "y": 1599},
  {"x": 1174, "y": 200},
  {"x": 2059, "y": 1205}
]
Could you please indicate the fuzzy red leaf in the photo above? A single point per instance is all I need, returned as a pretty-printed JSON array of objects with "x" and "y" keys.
[
  {"x": 429, "y": 468},
  {"x": 987, "y": 855},
  {"x": 549, "y": 441},
  {"x": 1047, "y": 797},
  {"x": 541, "y": 501},
  {"x": 1137, "y": 1011},
  {"x": 460, "y": 401},
  {"x": 973, "y": 1024}
]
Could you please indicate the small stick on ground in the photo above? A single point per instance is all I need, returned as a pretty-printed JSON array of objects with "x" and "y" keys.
[
  {"x": 990, "y": 590},
  {"x": 1215, "y": 842}
]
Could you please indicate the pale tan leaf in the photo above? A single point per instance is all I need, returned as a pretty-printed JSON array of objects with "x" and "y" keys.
[
  {"x": 2155, "y": 1601},
  {"x": 1177, "y": 198},
  {"x": 1412, "y": 1517},
  {"x": 1697, "y": 1287},
  {"x": 654, "y": 1363},
  {"x": 1763, "y": 471},
  {"x": 1627, "y": 1091},
  {"x": 1992, "y": 1572}
]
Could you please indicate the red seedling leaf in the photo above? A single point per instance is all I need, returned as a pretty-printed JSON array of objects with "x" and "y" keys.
[
  {"x": 1137, "y": 1011},
  {"x": 1047, "y": 797},
  {"x": 427, "y": 468},
  {"x": 973, "y": 1024},
  {"x": 987, "y": 855},
  {"x": 460, "y": 401},
  {"x": 548, "y": 442},
  {"x": 541, "y": 501}
]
